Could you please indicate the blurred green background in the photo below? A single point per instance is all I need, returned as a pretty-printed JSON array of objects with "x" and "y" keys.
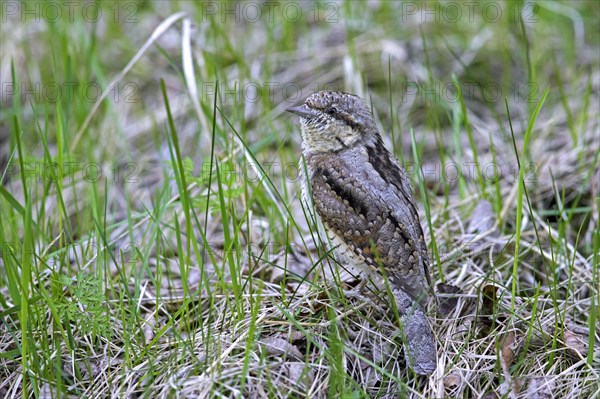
[{"x": 150, "y": 212}]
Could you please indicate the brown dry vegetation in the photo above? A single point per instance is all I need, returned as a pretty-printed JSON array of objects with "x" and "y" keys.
[{"x": 172, "y": 257}]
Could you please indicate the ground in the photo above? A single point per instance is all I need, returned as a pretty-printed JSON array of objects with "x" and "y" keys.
[{"x": 153, "y": 239}]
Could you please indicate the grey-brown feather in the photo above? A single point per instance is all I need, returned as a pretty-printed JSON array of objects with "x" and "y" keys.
[
  {"x": 354, "y": 201},
  {"x": 364, "y": 200}
]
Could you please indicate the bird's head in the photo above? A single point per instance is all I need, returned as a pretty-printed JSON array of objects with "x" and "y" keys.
[{"x": 334, "y": 121}]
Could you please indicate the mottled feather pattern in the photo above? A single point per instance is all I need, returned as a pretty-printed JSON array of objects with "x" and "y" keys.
[
  {"x": 364, "y": 200},
  {"x": 382, "y": 234}
]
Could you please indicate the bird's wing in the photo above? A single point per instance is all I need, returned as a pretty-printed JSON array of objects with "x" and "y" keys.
[
  {"x": 374, "y": 228},
  {"x": 398, "y": 182}
]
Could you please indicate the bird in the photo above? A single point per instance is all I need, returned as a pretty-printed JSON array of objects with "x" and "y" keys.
[{"x": 363, "y": 197}]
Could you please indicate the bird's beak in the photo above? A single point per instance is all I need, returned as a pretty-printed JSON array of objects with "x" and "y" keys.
[{"x": 303, "y": 111}]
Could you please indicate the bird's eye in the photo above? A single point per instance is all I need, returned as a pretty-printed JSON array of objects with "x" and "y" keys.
[{"x": 331, "y": 111}]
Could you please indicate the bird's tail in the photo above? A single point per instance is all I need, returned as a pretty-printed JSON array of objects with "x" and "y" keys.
[{"x": 419, "y": 343}]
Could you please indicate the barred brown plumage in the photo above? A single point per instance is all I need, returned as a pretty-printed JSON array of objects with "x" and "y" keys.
[{"x": 364, "y": 199}]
